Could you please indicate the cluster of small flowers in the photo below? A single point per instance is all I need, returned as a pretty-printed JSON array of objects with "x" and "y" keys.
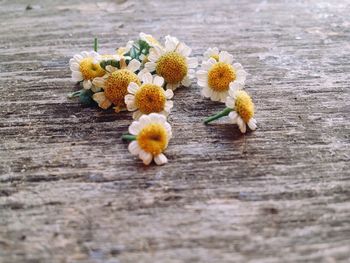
[{"x": 142, "y": 76}]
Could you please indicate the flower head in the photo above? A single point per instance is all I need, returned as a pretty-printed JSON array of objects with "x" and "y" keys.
[
  {"x": 149, "y": 97},
  {"x": 85, "y": 67},
  {"x": 172, "y": 63},
  {"x": 152, "y": 133},
  {"x": 217, "y": 73},
  {"x": 115, "y": 84},
  {"x": 243, "y": 109}
]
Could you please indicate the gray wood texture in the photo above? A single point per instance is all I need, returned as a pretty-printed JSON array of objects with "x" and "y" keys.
[{"x": 71, "y": 192}]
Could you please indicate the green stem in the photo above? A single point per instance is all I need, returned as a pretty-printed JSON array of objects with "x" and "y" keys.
[
  {"x": 95, "y": 44},
  {"x": 222, "y": 113},
  {"x": 128, "y": 137},
  {"x": 75, "y": 94}
]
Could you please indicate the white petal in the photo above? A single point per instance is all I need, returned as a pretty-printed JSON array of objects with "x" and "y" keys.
[
  {"x": 192, "y": 62},
  {"x": 155, "y": 53},
  {"x": 206, "y": 92},
  {"x": 230, "y": 102},
  {"x": 241, "y": 125},
  {"x": 110, "y": 68},
  {"x": 135, "y": 128},
  {"x": 134, "y": 65},
  {"x": 77, "y": 76},
  {"x": 85, "y": 54},
  {"x": 168, "y": 129},
  {"x": 233, "y": 116},
  {"x": 74, "y": 66},
  {"x": 155, "y": 117},
  {"x": 252, "y": 124},
  {"x": 133, "y": 88},
  {"x": 206, "y": 65},
  {"x": 145, "y": 157},
  {"x": 241, "y": 76},
  {"x": 225, "y": 57},
  {"x": 223, "y": 96},
  {"x": 215, "y": 96},
  {"x": 171, "y": 43},
  {"x": 137, "y": 114},
  {"x": 158, "y": 80},
  {"x": 87, "y": 84},
  {"x": 144, "y": 120},
  {"x": 150, "y": 66},
  {"x": 168, "y": 105},
  {"x": 211, "y": 52},
  {"x": 134, "y": 148},
  {"x": 160, "y": 159},
  {"x": 237, "y": 66},
  {"x": 186, "y": 81},
  {"x": 147, "y": 78},
  {"x": 169, "y": 94},
  {"x": 183, "y": 49},
  {"x": 99, "y": 82},
  {"x": 130, "y": 105},
  {"x": 78, "y": 58},
  {"x": 95, "y": 89},
  {"x": 143, "y": 71},
  {"x": 172, "y": 86}
]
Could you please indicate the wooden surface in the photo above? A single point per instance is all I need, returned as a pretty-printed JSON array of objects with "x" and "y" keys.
[{"x": 71, "y": 192}]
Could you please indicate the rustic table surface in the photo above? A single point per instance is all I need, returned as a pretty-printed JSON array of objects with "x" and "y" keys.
[{"x": 71, "y": 192}]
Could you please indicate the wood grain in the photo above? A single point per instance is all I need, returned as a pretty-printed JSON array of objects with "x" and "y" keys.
[{"x": 71, "y": 192}]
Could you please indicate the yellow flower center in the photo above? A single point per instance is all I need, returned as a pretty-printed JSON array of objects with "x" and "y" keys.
[
  {"x": 216, "y": 57},
  {"x": 244, "y": 105},
  {"x": 220, "y": 75},
  {"x": 153, "y": 138},
  {"x": 90, "y": 70},
  {"x": 150, "y": 98},
  {"x": 116, "y": 86},
  {"x": 172, "y": 67}
]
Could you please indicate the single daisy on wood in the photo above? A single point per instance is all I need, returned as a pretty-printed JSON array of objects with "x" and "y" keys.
[
  {"x": 115, "y": 84},
  {"x": 172, "y": 63},
  {"x": 240, "y": 110},
  {"x": 149, "y": 97},
  {"x": 218, "y": 73},
  {"x": 85, "y": 67},
  {"x": 149, "y": 138}
]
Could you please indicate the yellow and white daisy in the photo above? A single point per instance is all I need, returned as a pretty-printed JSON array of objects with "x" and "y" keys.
[
  {"x": 172, "y": 63},
  {"x": 151, "y": 135},
  {"x": 217, "y": 74},
  {"x": 243, "y": 109},
  {"x": 149, "y": 97},
  {"x": 115, "y": 84},
  {"x": 85, "y": 67}
]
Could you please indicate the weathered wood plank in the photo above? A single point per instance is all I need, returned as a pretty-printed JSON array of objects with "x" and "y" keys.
[{"x": 71, "y": 192}]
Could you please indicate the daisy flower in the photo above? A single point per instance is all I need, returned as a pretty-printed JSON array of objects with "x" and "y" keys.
[
  {"x": 240, "y": 109},
  {"x": 115, "y": 84},
  {"x": 85, "y": 67},
  {"x": 149, "y": 97},
  {"x": 243, "y": 109},
  {"x": 172, "y": 63},
  {"x": 217, "y": 74},
  {"x": 150, "y": 136}
]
